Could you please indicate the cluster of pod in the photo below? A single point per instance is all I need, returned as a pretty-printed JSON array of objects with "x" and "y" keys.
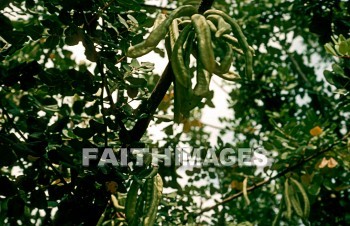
[
  {"x": 141, "y": 208},
  {"x": 292, "y": 199},
  {"x": 211, "y": 37}
]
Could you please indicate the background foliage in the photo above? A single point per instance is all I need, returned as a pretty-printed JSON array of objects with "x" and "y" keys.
[{"x": 51, "y": 107}]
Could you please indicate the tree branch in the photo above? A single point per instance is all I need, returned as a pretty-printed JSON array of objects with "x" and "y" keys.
[
  {"x": 280, "y": 174},
  {"x": 103, "y": 87},
  {"x": 156, "y": 7},
  {"x": 148, "y": 108},
  {"x": 205, "y": 5}
]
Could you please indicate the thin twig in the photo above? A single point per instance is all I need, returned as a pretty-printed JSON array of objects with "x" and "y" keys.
[
  {"x": 205, "y": 5},
  {"x": 280, "y": 174},
  {"x": 156, "y": 7},
  {"x": 95, "y": 17},
  {"x": 297, "y": 67},
  {"x": 212, "y": 126},
  {"x": 103, "y": 87}
]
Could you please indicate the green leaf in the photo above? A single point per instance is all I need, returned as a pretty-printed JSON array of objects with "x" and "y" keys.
[
  {"x": 38, "y": 199},
  {"x": 130, "y": 17},
  {"x": 34, "y": 31},
  {"x": 328, "y": 75},
  {"x": 73, "y": 35},
  {"x": 8, "y": 157},
  {"x": 52, "y": 42},
  {"x": 136, "y": 82},
  {"x": 314, "y": 189},
  {"x": 344, "y": 47},
  {"x": 329, "y": 48},
  {"x": 90, "y": 51},
  {"x": 96, "y": 126},
  {"x": 121, "y": 20},
  {"x": 134, "y": 63},
  {"x": 338, "y": 70},
  {"x": 8, "y": 187},
  {"x": 15, "y": 207},
  {"x": 85, "y": 133}
]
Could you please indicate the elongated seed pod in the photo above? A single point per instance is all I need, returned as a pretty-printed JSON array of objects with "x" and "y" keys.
[
  {"x": 182, "y": 94},
  {"x": 234, "y": 43},
  {"x": 147, "y": 193},
  {"x": 131, "y": 200},
  {"x": 226, "y": 60},
  {"x": 159, "y": 19},
  {"x": 287, "y": 199},
  {"x": 296, "y": 204},
  {"x": 184, "y": 23},
  {"x": 174, "y": 33},
  {"x": 159, "y": 32},
  {"x": 203, "y": 81},
  {"x": 304, "y": 195},
  {"x": 230, "y": 39},
  {"x": 205, "y": 47},
  {"x": 156, "y": 197},
  {"x": 212, "y": 26},
  {"x": 116, "y": 204},
  {"x": 241, "y": 39},
  {"x": 231, "y": 76},
  {"x": 180, "y": 69},
  {"x": 245, "y": 192},
  {"x": 222, "y": 26},
  {"x": 189, "y": 44}
]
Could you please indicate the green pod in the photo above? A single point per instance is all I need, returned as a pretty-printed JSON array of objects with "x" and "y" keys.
[
  {"x": 189, "y": 104},
  {"x": 131, "y": 200},
  {"x": 205, "y": 47},
  {"x": 287, "y": 199},
  {"x": 147, "y": 193},
  {"x": 296, "y": 204},
  {"x": 232, "y": 76},
  {"x": 233, "y": 42},
  {"x": 241, "y": 39},
  {"x": 226, "y": 60},
  {"x": 230, "y": 39},
  {"x": 159, "y": 32},
  {"x": 180, "y": 68},
  {"x": 173, "y": 33},
  {"x": 306, "y": 200},
  {"x": 159, "y": 19},
  {"x": 203, "y": 81},
  {"x": 152, "y": 173},
  {"x": 157, "y": 190},
  {"x": 212, "y": 26},
  {"x": 222, "y": 26}
]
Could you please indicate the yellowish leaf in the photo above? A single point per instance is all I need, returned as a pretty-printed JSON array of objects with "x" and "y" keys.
[
  {"x": 332, "y": 163},
  {"x": 323, "y": 163},
  {"x": 32, "y": 158},
  {"x": 316, "y": 131},
  {"x": 111, "y": 186}
]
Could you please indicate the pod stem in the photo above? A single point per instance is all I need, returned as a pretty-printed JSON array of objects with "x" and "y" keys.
[{"x": 205, "y": 5}]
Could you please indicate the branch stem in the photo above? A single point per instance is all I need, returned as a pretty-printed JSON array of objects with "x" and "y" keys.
[{"x": 280, "y": 174}]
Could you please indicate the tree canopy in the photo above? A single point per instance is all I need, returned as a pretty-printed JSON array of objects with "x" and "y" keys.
[{"x": 288, "y": 69}]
